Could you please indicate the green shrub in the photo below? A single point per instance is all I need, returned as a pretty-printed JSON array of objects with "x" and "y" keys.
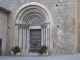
[
  {"x": 16, "y": 49},
  {"x": 42, "y": 50}
]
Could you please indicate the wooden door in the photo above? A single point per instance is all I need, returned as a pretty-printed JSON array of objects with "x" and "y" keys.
[{"x": 35, "y": 40}]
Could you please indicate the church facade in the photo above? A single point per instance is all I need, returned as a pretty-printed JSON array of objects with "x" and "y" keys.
[{"x": 31, "y": 24}]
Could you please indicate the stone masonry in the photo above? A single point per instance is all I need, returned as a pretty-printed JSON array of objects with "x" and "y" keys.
[
  {"x": 63, "y": 15},
  {"x": 3, "y": 30},
  {"x": 78, "y": 23}
]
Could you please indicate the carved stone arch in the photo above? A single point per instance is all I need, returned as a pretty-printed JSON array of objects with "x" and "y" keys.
[
  {"x": 34, "y": 15},
  {"x": 22, "y": 15},
  {"x": 29, "y": 12},
  {"x": 35, "y": 21}
]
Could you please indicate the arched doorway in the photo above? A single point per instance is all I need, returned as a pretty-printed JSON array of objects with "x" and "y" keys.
[{"x": 33, "y": 27}]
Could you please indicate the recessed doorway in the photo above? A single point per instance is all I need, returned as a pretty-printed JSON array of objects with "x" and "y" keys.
[{"x": 35, "y": 40}]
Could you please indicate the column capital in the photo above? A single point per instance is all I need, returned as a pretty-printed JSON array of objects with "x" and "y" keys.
[
  {"x": 44, "y": 25},
  {"x": 22, "y": 25}
]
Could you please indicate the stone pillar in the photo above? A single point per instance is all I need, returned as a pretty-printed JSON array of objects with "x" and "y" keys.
[
  {"x": 16, "y": 36},
  {"x": 20, "y": 37},
  {"x": 24, "y": 39},
  {"x": 43, "y": 33},
  {"x": 46, "y": 38},
  {"x": 28, "y": 43},
  {"x": 42, "y": 36}
]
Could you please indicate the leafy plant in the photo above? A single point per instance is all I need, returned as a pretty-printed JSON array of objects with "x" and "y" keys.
[
  {"x": 42, "y": 50},
  {"x": 16, "y": 49}
]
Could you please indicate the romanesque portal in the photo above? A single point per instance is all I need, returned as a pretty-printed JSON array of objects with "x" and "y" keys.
[{"x": 32, "y": 28}]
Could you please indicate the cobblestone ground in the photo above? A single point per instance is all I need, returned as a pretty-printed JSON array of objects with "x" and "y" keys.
[{"x": 55, "y": 57}]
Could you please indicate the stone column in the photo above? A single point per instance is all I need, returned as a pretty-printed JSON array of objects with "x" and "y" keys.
[
  {"x": 46, "y": 38},
  {"x": 20, "y": 37},
  {"x": 41, "y": 36},
  {"x": 44, "y": 34},
  {"x": 28, "y": 43},
  {"x": 24, "y": 39},
  {"x": 16, "y": 36}
]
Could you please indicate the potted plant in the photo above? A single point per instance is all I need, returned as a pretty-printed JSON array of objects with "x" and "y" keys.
[
  {"x": 15, "y": 50},
  {"x": 43, "y": 50}
]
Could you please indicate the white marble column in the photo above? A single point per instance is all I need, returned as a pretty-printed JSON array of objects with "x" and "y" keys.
[{"x": 20, "y": 37}]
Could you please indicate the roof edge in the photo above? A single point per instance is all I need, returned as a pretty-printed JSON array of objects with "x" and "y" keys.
[{"x": 4, "y": 9}]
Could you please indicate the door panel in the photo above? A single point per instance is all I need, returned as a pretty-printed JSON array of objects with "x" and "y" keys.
[{"x": 35, "y": 40}]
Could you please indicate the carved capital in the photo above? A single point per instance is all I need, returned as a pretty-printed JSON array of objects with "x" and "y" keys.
[{"x": 43, "y": 25}]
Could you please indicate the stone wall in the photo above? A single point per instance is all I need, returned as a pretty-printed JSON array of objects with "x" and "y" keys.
[
  {"x": 78, "y": 22},
  {"x": 63, "y": 13},
  {"x": 64, "y": 41},
  {"x": 3, "y": 30}
]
